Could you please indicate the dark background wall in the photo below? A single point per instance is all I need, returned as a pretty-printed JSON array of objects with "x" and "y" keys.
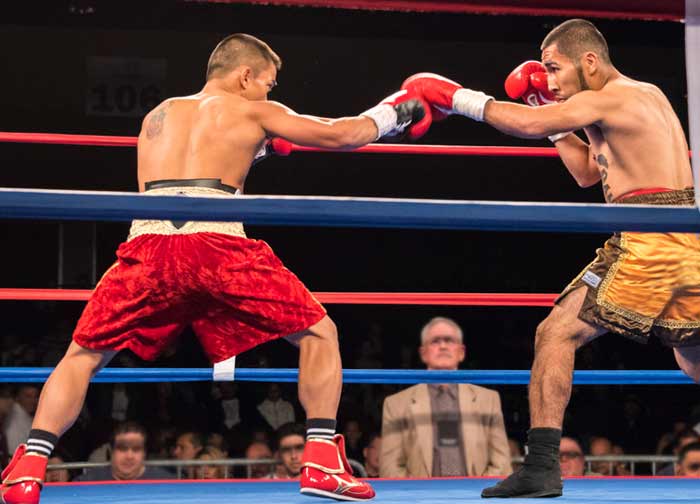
[{"x": 336, "y": 63}]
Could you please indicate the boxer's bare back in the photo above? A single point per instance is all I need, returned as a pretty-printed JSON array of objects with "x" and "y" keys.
[{"x": 216, "y": 133}]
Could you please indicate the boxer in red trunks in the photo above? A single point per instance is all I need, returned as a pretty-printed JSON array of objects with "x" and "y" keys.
[
  {"x": 234, "y": 291},
  {"x": 640, "y": 284}
]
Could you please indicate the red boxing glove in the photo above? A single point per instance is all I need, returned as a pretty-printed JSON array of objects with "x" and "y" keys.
[
  {"x": 437, "y": 90},
  {"x": 529, "y": 82},
  {"x": 276, "y": 145},
  {"x": 397, "y": 112},
  {"x": 447, "y": 97},
  {"x": 280, "y": 146}
]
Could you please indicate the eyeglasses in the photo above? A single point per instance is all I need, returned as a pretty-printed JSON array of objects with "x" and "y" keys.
[
  {"x": 289, "y": 449},
  {"x": 447, "y": 340},
  {"x": 569, "y": 455}
]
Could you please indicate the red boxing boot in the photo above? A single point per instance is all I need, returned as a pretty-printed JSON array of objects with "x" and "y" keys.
[
  {"x": 23, "y": 477},
  {"x": 327, "y": 473}
]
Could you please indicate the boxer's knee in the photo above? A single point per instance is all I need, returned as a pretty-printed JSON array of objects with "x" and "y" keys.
[
  {"x": 327, "y": 330},
  {"x": 551, "y": 333},
  {"x": 324, "y": 331}
]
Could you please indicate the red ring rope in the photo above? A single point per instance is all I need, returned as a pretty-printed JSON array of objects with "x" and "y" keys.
[
  {"x": 369, "y": 298},
  {"x": 454, "y": 150},
  {"x": 449, "y": 150}
]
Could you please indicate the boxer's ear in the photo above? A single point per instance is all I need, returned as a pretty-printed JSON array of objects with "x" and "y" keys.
[{"x": 245, "y": 78}]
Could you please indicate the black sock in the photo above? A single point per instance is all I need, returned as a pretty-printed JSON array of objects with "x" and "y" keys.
[
  {"x": 323, "y": 428},
  {"x": 41, "y": 442},
  {"x": 543, "y": 447}
]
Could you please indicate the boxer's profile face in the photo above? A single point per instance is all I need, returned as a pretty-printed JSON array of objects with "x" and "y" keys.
[{"x": 565, "y": 77}]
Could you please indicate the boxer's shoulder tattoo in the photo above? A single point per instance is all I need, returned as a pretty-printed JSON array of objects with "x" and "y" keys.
[
  {"x": 603, "y": 163},
  {"x": 155, "y": 123}
]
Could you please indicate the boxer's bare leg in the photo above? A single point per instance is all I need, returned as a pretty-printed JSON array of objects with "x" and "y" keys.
[
  {"x": 320, "y": 369},
  {"x": 64, "y": 392},
  {"x": 556, "y": 341}
]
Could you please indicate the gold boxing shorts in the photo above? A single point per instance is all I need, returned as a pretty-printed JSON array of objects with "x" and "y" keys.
[{"x": 646, "y": 283}]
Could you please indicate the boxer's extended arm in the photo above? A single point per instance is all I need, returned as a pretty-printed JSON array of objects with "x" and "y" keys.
[
  {"x": 348, "y": 132},
  {"x": 582, "y": 109},
  {"x": 391, "y": 116},
  {"x": 545, "y": 119},
  {"x": 575, "y": 153}
]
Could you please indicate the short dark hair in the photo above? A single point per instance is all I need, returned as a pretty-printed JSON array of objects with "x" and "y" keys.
[
  {"x": 125, "y": 427},
  {"x": 576, "y": 36},
  {"x": 686, "y": 449},
  {"x": 196, "y": 438},
  {"x": 290, "y": 429},
  {"x": 239, "y": 49}
]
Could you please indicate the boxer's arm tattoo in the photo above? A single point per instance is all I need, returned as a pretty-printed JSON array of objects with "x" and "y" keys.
[
  {"x": 155, "y": 123},
  {"x": 603, "y": 163}
]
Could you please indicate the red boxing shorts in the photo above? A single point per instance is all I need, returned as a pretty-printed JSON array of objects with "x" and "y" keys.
[{"x": 233, "y": 291}]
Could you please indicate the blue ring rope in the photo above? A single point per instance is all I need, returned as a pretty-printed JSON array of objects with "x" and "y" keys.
[
  {"x": 403, "y": 376},
  {"x": 349, "y": 212}
]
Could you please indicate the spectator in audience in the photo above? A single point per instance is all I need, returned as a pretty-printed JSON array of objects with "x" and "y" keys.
[
  {"x": 259, "y": 450},
  {"x": 275, "y": 410},
  {"x": 601, "y": 446},
  {"x": 685, "y": 438},
  {"x": 210, "y": 471},
  {"x": 19, "y": 420},
  {"x": 689, "y": 461},
  {"x": 6, "y": 403},
  {"x": 666, "y": 441},
  {"x": 291, "y": 438},
  {"x": 128, "y": 458},
  {"x": 371, "y": 455},
  {"x": 516, "y": 450},
  {"x": 353, "y": 440},
  {"x": 262, "y": 435},
  {"x": 620, "y": 468},
  {"x": 187, "y": 447},
  {"x": 682, "y": 439},
  {"x": 228, "y": 407},
  {"x": 443, "y": 430},
  {"x": 571, "y": 458},
  {"x": 56, "y": 475},
  {"x": 217, "y": 440}
]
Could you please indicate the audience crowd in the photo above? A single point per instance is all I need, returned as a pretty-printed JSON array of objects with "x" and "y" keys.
[{"x": 390, "y": 430}]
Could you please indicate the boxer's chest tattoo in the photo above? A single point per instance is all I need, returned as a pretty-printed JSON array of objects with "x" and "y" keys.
[
  {"x": 603, "y": 164},
  {"x": 155, "y": 123}
]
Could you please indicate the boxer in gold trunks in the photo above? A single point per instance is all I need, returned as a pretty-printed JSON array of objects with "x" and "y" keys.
[
  {"x": 233, "y": 291},
  {"x": 641, "y": 284}
]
